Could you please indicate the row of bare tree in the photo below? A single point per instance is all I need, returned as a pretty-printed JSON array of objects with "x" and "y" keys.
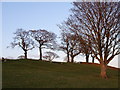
[
  {"x": 93, "y": 29},
  {"x": 27, "y": 40},
  {"x": 70, "y": 44}
]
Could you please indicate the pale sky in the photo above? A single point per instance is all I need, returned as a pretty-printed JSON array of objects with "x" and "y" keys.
[{"x": 30, "y": 15}]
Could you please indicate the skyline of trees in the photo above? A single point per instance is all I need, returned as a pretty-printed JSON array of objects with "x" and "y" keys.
[{"x": 32, "y": 34}]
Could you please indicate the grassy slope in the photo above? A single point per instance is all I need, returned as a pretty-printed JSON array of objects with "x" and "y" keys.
[{"x": 40, "y": 74}]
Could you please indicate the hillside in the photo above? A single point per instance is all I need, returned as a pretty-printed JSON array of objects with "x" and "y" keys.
[{"x": 41, "y": 74}]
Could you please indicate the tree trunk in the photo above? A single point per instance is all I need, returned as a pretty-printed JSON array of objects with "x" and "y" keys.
[
  {"x": 72, "y": 56},
  {"x": 92, "y": 59},
  {"x": 103, "y": 71},
  {"x": 40, "y": 52},
  {"x": 25, "y": 54},
  {"x": 87, "y": 58},
  {"x": 68, "y": 59},
  {"x": 72, "y": 59}
]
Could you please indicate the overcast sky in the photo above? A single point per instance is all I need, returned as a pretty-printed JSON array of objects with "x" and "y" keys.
[{"x": 33, "y": 15}]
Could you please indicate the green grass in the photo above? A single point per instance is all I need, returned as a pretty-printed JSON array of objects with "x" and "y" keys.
[{"x": 41, "y": 74}]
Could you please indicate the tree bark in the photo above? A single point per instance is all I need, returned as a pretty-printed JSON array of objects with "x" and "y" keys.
[
  {"x": 87, "y": 58},
  {"x": 72, "y": 56},
  {"x": 72, "y": 59},
  {"x": 40, "y": 52},
  {"x": 68, "y": 60},
  {"x": 92, "y": 59},
  {"x": 25, "y": 54},
  {"x": 103, "y": 71}
]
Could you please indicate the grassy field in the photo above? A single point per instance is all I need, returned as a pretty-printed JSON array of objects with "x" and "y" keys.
[{"x": 41, "y": 74}]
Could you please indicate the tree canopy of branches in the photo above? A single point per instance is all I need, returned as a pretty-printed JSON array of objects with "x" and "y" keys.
[
  {"x": 23, "y": 40},
  {"x": 69, "y": 44},
  {"x": 98, "y": 24},
  {"x": 74, "y": 46},
  {"x": 44, "y": 38},
  {"x": 85, "y": 50},
  {"x": 50, "y": 55},
  {"x": 65, "y": 44},
  {"x": 68, "y": 28}
]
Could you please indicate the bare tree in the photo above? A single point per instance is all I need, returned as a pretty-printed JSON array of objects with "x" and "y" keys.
[
  {"x": 99, "y": 25},
  {"x": 23, "y": 40},
  {"x": 72, "y": 38},
  {"x": 44, "y": 38},
  {"x": 85, "y": 50},
  {"x": 75, "y": 48},
  {"x": 65, "y": 44},
  {"x": 69, "y": 44},
  {"x": 21, "y": 57},
  {"x": 50, "y": 55}
]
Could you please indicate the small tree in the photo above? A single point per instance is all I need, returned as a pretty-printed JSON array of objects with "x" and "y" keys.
[
  {"x": 23, "y": 40},
  {"x": 75, "y": 48},
  {"x": 21, "y": 57},
  {"x": 50, "y": 56},
  {"x": 85, "y": 50},
  {"x": 44, "y": 38},
  {"x": 65, "y": 44},
  {"x": 69, "y": 44}
]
